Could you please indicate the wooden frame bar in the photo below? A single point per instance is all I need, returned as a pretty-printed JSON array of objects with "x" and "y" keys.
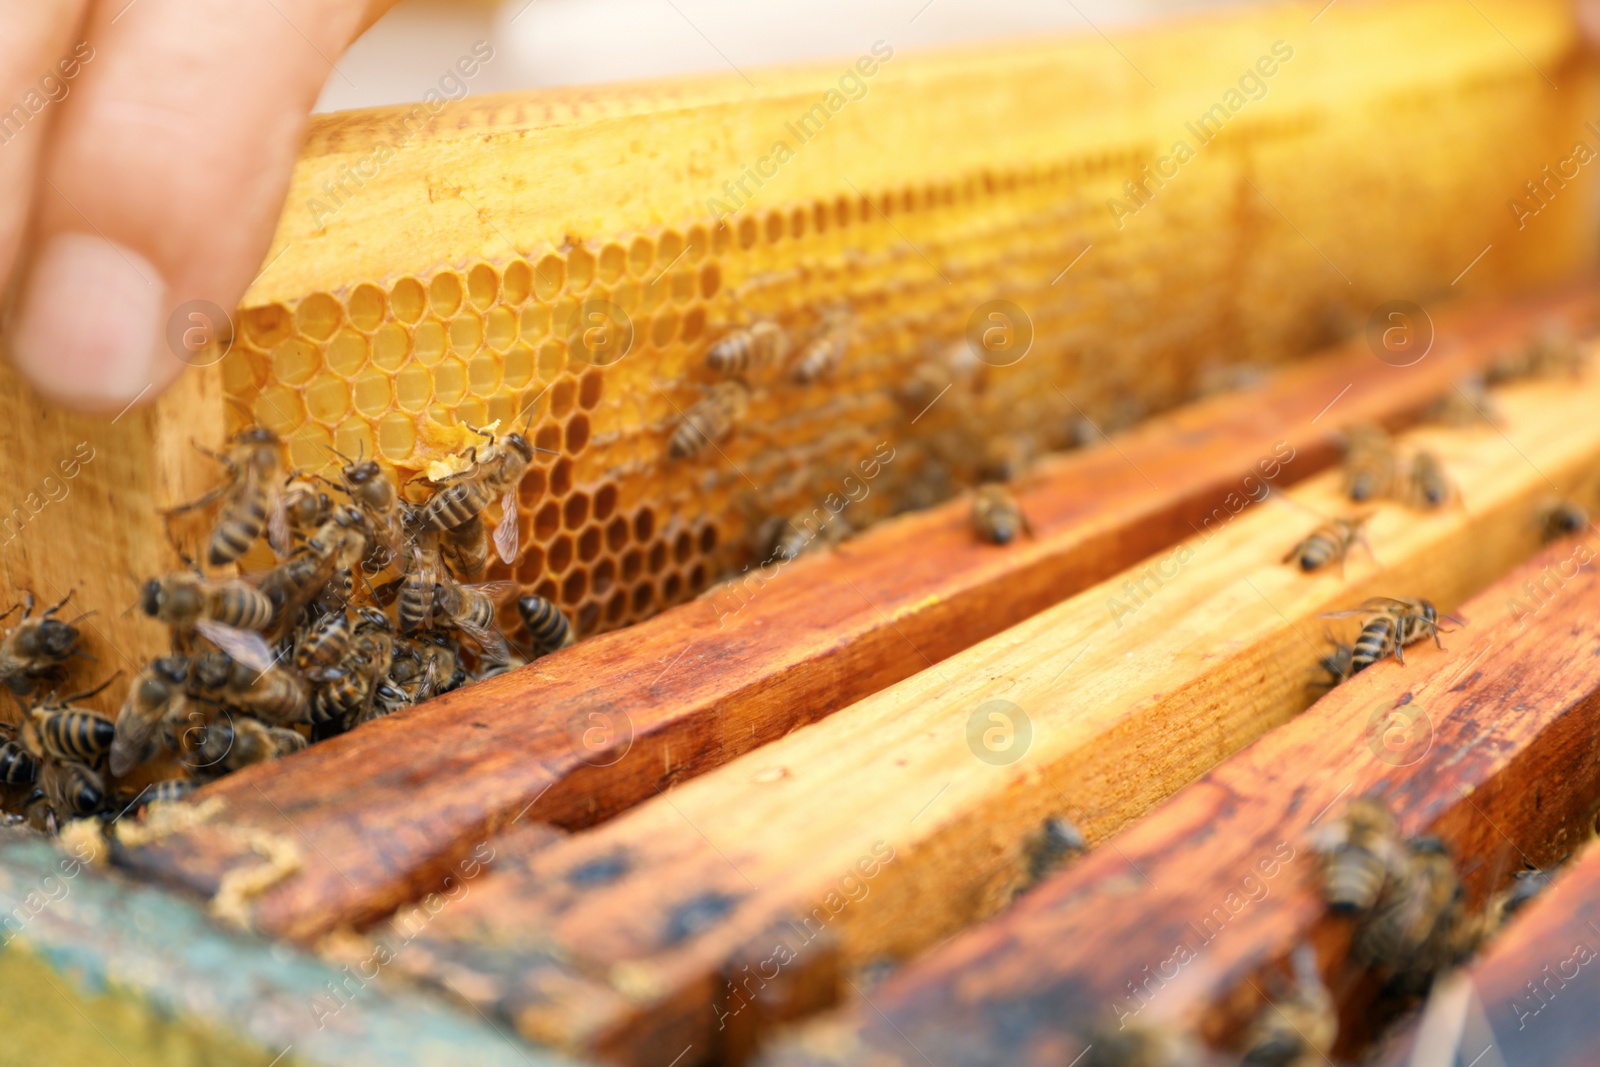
[{"x": 1219, "y": 885}]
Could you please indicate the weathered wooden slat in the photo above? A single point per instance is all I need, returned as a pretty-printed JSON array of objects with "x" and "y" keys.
[
  {"x": 900, "y": 819},
  {"x": 1529, "y": 1000},
  {"x": 96, "y": 971},
  {"x": 588, "y": 732},
  {"x": 1175, "y": 920}
]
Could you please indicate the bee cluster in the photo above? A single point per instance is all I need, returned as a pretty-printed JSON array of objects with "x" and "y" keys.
[
  {"x": 373, "y": 606},
  {"x": 1374, "y": 469},
  {"x": 749, "y": 356},
  {"x": 1405, "y": 897}
]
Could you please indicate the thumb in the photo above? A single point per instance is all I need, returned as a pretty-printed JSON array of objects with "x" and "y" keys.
[
  {"x": 1588, "y": 12},
  {"x": 163, "y": 181}
]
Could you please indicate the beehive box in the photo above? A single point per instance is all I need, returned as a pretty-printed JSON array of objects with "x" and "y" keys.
[{"x": 458, "y": 286}]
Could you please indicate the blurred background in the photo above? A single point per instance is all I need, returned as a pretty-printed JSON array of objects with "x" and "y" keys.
[{"x": 573, "y": 42}]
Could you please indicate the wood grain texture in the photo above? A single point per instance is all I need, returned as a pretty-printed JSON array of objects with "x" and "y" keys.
[
  {"x": 517, "y": 174},
  {"x": 82, "y": 511},
  {"x": 586, "y": 733},
  {"x": 96, "y": 971},
  {"x": 1531, "y": 996},
  {"x": 900, "y": 819},
  {"x": 1174, "y": 921}
]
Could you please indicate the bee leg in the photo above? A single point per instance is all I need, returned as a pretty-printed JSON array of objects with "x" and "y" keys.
[
  {"x": 1399, "y": 652},
  {"x": 52, "y": 609}
]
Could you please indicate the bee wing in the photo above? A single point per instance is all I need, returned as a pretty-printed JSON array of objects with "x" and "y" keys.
[
  {"x": 496, "y": 591},
  {"x": 279, "y": 536},
  {"x": 489, "y": 642},
  {"x": 1328, "y": 836},
  {"x": 296, "y": 600},
  {"x": 1345, "y": 614},
  {"x": 505, "y": 534},
  {"x": 382, "y": 657},
  {"x": 131, "y": 744},
  {"x": 245, "y": 646}
]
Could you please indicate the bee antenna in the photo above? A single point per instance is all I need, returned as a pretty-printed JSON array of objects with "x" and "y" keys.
[
  {"x": 341, "y": 455},
  {"x": 551, "y": 451},
  {"x": 95, "y": 690}
]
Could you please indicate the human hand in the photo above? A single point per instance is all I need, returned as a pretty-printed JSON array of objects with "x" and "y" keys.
[{"x": 145, "y": 151}]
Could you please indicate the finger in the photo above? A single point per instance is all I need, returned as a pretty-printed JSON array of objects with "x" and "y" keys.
[
  {"x": 35, "y": 54},
  {"x": 163, "y": 181},
  {"x": 1589, "y": 21}
]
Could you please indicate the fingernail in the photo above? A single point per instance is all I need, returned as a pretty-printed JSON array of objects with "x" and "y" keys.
[{"x": 89, "y": 322}]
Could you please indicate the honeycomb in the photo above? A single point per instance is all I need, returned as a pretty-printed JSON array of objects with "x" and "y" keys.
[{"x": 601, "y": 342}]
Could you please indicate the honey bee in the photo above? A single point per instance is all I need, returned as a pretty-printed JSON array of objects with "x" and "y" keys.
[
  {"x": 380, "y": 502},
  {"x": 823, "y": 353},
  {"x": 547, "y": 626},
  {"x": 157, "y": 696},
  {"x": 1466, "y": 404},
  {"x": 1361, "y": 852},
  {"x": 39, "y": 814},
  {"x": 72, "y": 788},
  {"x": 337, "y": 694},
  {"x": 425, "y": 667},
  {"x": 251, "y": 495},
  {"x": 785, "y": 540},
  {"x": 421, "y": 580},
  {"x": 1329, "y": 542},
  {"x": 1006, "y": 458},
  {"x": 748, "y": 351},
  {"x": 1369, "y": 462},
  {"x": 17, "y": 767},
  {"x": 305, "y": 505},
  {"x": 997, "y": 516},
  {"x": 1561, "y": 518},
  {"x": 495, "y": 471},
  {"x": 231, "y": 614},
  {"x": 1409, "y": 928},
  {"x": 63, "y": 732},
  {"x": 168, "y": 791},
  {"x": 1049, "y": 849},
  {"x": 34, "y": 650},
  {"x": 239, "y": 742},
  {"x": 277, "y": 695},
  {"x": 1340, "y": 665},
  {"x": 343, "y": 694},
  {"x": 1429, "y": 484},
  {"x": 710, "y": 419},
  {"x": 373, "y": 654},
  {"x": 1299, "y": 1029},
  {"x": 1392, "y": 624},
  {"x": 1557, "y": 351},
  {"x": 466, "y": 548},
  {"x": 471, "y": 609},
  {"x": 320, "y": 572},
  {"x": 325, "y": 642}
]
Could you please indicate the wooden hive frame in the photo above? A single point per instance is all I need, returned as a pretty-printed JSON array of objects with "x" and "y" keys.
[
  {"x": 435, "y": 295},
  {"x": 446, "y": 287}
]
